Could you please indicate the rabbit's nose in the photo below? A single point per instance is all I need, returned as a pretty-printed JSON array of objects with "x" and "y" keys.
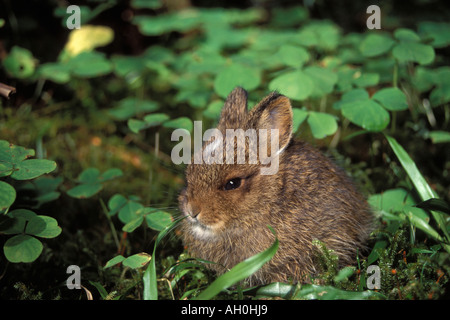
[{"x": 193, "y": 210}]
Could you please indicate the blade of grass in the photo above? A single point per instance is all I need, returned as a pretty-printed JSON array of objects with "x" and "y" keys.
[
  {"x": 419, "y": 182},
  {"x": 149, "y": 278},
  {"x": 423, "y": 225},
  {"x": 435, "y": 204},
  {"x": 314, "y": 292},
  {"x": 239, "y": 272},
  {"x": 421, "y": 185}
]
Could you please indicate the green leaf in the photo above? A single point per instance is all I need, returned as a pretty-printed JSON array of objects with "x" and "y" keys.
[
  {"x": 392, "y": 201},
  {"x": 299, "y": 116},
  {"x": 236, "y": 75},
  {"x": 136, "y": 125},
  {"x": 406, "y": 35},
  {"x": 156, "y": 25},
  {"x": 325, "y": 34},
  {"x": 214, "y": 109},
  {"x": 293, "y": 56},
  {"x": 440, "y": 136},
  {"x": 19, "y": 63},
  {"x": 89, "y": 64},
  {"x": 133, "y": 224},
  {"x": 128, "y": 66},
  {"x": 441, "y": 94},
  {"x": 345, "y": 78},
  {"x": 424, "y": 190},
  {"x": 352, "y": 96},
  {"x": 392, "y": 99},
  {"x": 110, "y": 174},
  {"x": 438, "y": 31},
  {"x": 19, "y": 219},
  {"x": 414, "y": 52},
  {"x": 84, "y": 191},
  {"x": 101, "y": 290},
  {"x": 239, "y": 272},
  {"x": 295, "y": 84},
  {"x": 116, "y": 260},
  {"x": 374, "y": 255},
  {"x": 146, "y": 4},
  {"x": 7, "y": 195},
  {"x": 424, "y": 79},
  {"x": 418, "y": 212},
  {"x": 56, "y": 72},
  {"x": 344, "y": 274},
  {"x": 91, "y": 182},
  {"x": 22, "y": 248},
  {"x": 423, "y": 225},
  {"x": 33, "y": 168},
  {"x": 276, "y": 289},
  {"x": 158, "y": 220},
  {"x": 288, "y": 17},
  {"x": 43, "y": 226},
  {"x": 179, "y": 123},
  {"x": 376, "y": 44},
  {"x": 130, "y": 211},
  {"x": 421, "y": 185},
  {"x": 136, "y": 261},
  {"x": 366, "y": 113},
  {"x": 115, "y": 203},
  {"x": 130, "y": 107},
  {"x": 323, "y": 79},
  {"x": 42, "y": 190},
  {"x": 89, "y": 175},
  {"x": 22, "y": 213},
  {"x": 366, "y": 79},
  {"x": 155, "y": 119},
  {"x": 355, "y": 95},
  {"x": 317, "y": 292},
  {"x": 11, "y": 155},
  {"x": 322, "y": 124},
  {"x": 314, "y": 292}
]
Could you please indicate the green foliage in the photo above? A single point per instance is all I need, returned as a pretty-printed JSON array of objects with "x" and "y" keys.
[
  {"x": 132, "y": 213},
  {"x": 14, "y": 162},
  {"x": 314, "y": 292},
  {"x": 90, "y": 182},
  {"x": 135, "y": 261},
  {"x": 20, "y": 63},
  {"x": 25, "y": 225},
  {"x": 105, "y": 114},
  {"x": 22, "y": 225}
]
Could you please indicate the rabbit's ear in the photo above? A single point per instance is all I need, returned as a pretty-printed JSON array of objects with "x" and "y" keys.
[
  {"x": 275, "y": 112},
  {"x": 234, "y": 111}
]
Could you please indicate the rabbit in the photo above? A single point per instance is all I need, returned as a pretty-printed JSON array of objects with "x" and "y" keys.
[{"x": 227, "y": 207}]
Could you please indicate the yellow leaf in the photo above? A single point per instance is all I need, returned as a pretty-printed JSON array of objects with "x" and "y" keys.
[{"x": 87, "y": 38}]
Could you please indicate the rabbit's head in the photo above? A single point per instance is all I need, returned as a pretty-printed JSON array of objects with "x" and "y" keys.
[{"x": 234, "y": 178}]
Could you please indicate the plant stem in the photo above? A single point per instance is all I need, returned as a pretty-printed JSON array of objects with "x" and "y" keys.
[
  {"x": 393, "y": 122},
  {"x": 395, "y": 76},
  {"x": 323, "y": 104},
  {"x": 111, "y": 225},
  {"x": 156, "y": 144}
]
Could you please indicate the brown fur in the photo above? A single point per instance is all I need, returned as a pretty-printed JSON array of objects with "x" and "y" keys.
[{"x": 308, "y": 198}]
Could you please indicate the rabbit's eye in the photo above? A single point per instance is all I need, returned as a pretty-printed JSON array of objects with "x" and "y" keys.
[{"x": 233, "y": 184}]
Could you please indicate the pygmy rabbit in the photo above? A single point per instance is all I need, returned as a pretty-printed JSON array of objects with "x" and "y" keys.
[{"x": 229, "y": 206}]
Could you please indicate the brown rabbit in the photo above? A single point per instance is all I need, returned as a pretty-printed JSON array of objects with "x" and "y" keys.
[{"x": 229, "y": 206}]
